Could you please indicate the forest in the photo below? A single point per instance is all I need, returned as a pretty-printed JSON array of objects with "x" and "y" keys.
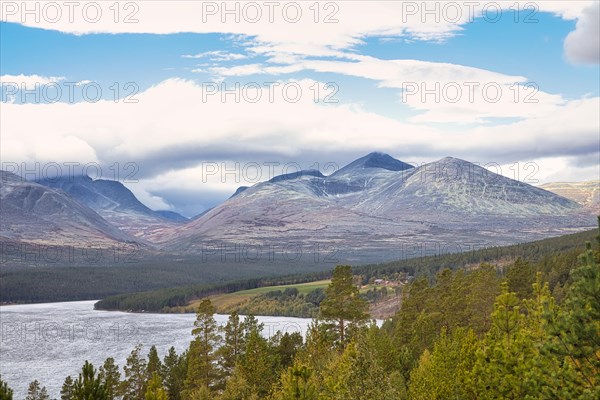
[
  {"x": 526, "y": 330},
  {"x": 543, "y": 251}
]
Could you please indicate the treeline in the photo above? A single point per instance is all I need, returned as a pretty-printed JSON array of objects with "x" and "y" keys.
[
  {"x": 70, "y": 282},
  {"x": 157, "y": 300},
  {"x": 484, "y": 333},
  {"x": 289, "y": 303}
]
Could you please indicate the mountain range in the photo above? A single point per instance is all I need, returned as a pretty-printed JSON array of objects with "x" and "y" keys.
[
  {"x": 116, "y": 204},
  {"x": 375, "y": 208}
]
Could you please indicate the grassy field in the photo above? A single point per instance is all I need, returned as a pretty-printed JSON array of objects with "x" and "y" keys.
[{"x": 226, "y": 302}]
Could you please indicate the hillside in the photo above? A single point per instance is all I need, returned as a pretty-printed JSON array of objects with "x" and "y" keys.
[
  {"x": 36, "y": 215},
  {"x": 115, "y": 203},
  {"x": 585, "y": 193},
  {"x": 158, "y": 300}
]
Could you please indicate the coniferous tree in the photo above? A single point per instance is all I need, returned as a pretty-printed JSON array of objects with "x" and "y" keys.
[
  {"x": 357, "y": 374},
  {"x": 155, "y": 390},
  {"x": 111, "y": 378},
  {"x": 202, "y": 368},
  {"x": 258, "y": 364},
  {"x": 342, "y": 304},
  {"x": 296, "y": 384},
  {"x": 574, "y": 333},
  {"x": 506, "y": 363},
  {"x": 520, "y": 277},
  {"x": 175, "y": 369},
  {"x": 37, "y": 391},
  {"x": 134, "y": 385},
  {"x": 154, "y": 364},
  {"x": 6, "y": 393},
  {"x": 236, "y": 387},
  {"x": 67, "y": 389},
  {"x": 233, "y": 343},
  {"x": 88, "y": 386},
  {"x": 445, "y": 372}
]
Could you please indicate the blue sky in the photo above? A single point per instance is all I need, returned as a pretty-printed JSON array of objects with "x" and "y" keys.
[{"x": 370, "y": 56}]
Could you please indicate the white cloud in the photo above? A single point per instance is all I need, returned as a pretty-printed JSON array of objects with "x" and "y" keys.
[
  {"x": 217, "y": 55},
  {"x": 29, "y": 81},
  {"x": 583, "y": 44},
  {"x": 442, "y": 92},
  {"x": 181, "y": 114},
  {"x": 348, "y": 22}
]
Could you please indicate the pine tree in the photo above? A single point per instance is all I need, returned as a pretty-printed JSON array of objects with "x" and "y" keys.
[
  {"x": 37, "y": 392},
  {"x": 134, "y": 385},
  {"x": 6, "y": 393},
  {"x": 175, "y": 369},
  {"x": 233, "y": 343},
  {"x": 520, "y": 277},
  {"x": 357, "y": 374},
  {"x": 286, "y": 346},
  {"x": 574, "y": 333},
  {"x": 258, "y": 364},
  {"x": 445, "y": 372},
  {"x": 67, "y": 390},
  {"x": 236, "y": 387},
  {"x": 297, "y": 384},
  {"x": 507, "y": 362},
  {"x": 202, "y": 369},
  {"x": 111, "y": 378},
  {"x": 155, "y": 390},
  {"x": 88, "y": 386},
  {"x": 154, "y": 364},
  {"x": 342, "y": 303}
]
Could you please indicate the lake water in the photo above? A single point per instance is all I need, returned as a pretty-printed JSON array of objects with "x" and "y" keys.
[{"x": 49, "y": 341}]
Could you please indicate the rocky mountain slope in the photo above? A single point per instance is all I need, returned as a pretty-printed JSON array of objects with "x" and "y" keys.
[
  {"x": 379, "y": 206},
  {"x": 584, "y": 193},
  {"x": 35, "y": 214},
  {"x": 375, "y": 208},
  {"x": 116, "y": 203}
]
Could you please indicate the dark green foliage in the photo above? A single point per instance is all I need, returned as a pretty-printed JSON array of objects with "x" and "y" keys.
[
  {"x": 460, "y": 334},
  {"x": 6, "y": 393},
  {"x": 342, "y": 305},
  {"x": 88, "y": 386},
  {"x": 233, "y": 343},
  {"x": 17, "y": 282},
  {"x": 175, "y": 371},
  {"x": 67, "y": 389},
  {"x": 135, "y": 383},
  {"x": 574, "y": 333},
  {"x": 154, "y": 364},
  {"x": 520, "y": 276},
  {"x": 316, "y": 296},
  {"x": 111, "y": 378},
  {"x": 202, "y": 372},
  {"x": 37, "y": 392}
]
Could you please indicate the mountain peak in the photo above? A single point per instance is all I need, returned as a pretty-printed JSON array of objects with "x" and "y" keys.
[
  {"x": 293, "y": 175},
  {"x": 377, "y": 160}
]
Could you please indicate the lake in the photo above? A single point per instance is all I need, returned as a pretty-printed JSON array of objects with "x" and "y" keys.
[{"x": 50, "y": 341}]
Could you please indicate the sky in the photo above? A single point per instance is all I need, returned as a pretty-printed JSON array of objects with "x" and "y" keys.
[{"x": 184, "y": 101}]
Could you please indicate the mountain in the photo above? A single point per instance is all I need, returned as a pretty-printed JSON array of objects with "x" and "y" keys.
[
  {"x": 172, "y": 215},
  {"x": 378, "y": 206},
  {"x": 115, "y": 203},
  {"x": 38, "y": 215},
  {"x": 376, "y": 160},
  {"x": 584, "y": 193},
  {"x": 456, "y": 186}
]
